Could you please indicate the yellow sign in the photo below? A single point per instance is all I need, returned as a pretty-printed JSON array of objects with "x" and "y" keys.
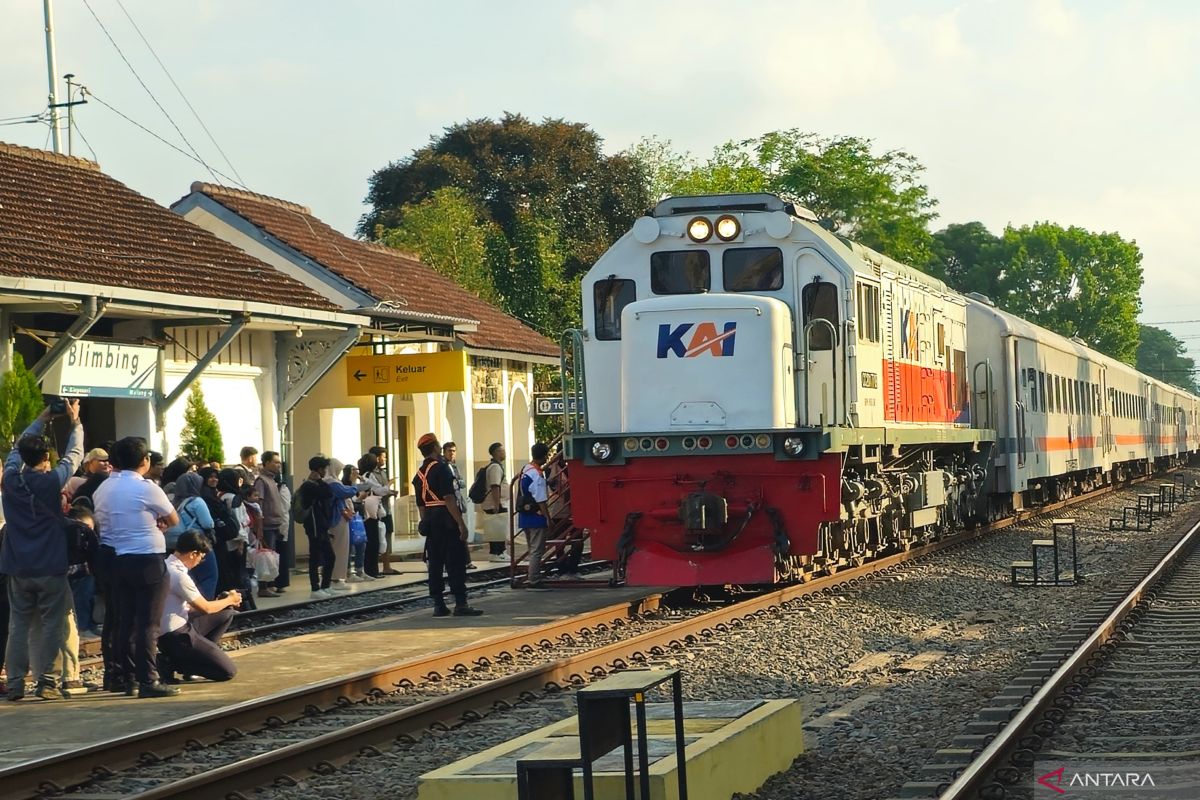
[{"x": 420, "y": 372}]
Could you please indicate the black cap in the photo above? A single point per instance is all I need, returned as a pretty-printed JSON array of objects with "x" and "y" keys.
[{"x": 318, "y": 463}]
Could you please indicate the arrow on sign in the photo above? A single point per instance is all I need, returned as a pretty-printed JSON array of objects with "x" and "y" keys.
[{"x": 359, "y": 375}]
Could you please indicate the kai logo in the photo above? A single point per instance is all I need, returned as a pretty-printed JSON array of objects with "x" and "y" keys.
[
  {"x": 703, "y": 340},
  {"x": 908, "y": 334}
]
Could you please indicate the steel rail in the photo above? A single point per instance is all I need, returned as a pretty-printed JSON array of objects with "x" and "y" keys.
[
  {"x": 969, "y": 783},
  {"x": 58, "y": 772}
]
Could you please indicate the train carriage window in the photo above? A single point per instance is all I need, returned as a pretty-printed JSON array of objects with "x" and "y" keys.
[
  {"x": 610, "y": 296},
  {"x": 1031, "y": 379},
  {"x": 1042, "y": 389},
  {"x": 752, "y": 269},
  {"x": 679, "y": 272},
  {"x": 820, "y": 301},
  {"x": 867, "y": 298}
]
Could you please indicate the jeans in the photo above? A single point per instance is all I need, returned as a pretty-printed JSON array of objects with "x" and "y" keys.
[
  {"x": 141, "y": 589},
  {"x": 195, "y": 649},
  {"x": 358, "y": 555},
  {"x": 287, "y": 559},
  {"x": 320, "y": 561},
  {"x": 46, "y": 602},
  {"x": 83, "y": 590}
]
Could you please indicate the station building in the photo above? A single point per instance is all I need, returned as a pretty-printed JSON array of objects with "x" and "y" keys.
[{"x": 109, "y": 296}]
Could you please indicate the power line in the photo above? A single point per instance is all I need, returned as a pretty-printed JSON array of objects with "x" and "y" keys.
[
  {"x": 195, "y": 114},
  {"x": 1172, "y": 322},
  {"x": 121, "y": 53},
  {"x": 76, "y": 128},
  {"x": 169, "y": 144}
]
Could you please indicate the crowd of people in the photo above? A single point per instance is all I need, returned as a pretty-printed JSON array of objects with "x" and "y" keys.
[{"x": 172, "y": 551}]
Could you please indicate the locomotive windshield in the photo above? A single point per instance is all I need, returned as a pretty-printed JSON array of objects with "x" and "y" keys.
[
  {"x": 610, "y": 296},
  {"x": 679, "y": 272},
  {"x": 752, "y": 269}
]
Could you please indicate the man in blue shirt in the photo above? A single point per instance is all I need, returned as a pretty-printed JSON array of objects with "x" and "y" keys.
[
  {"x": 34, "y": 553},
  {"x": 534, "y": 519}
]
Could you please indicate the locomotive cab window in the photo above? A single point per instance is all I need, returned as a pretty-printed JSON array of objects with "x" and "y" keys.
[
  {"x": 610, "y": 296},
  {"x": 867, "y": 299},
  {"x": 679, "y": 272},
  {"x": 752, "y": 269},
  {"x": 820, "y": 301}
]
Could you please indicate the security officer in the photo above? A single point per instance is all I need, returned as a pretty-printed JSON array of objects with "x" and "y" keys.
[{"x": 444, "y": 529}]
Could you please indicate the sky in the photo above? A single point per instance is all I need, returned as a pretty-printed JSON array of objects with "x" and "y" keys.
[{"x": 1081, "y": 113}]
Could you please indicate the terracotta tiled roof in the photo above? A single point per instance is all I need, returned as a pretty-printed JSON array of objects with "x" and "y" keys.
[
  {"x": 384, "y": 273},
  {"x": 61, "y": 218}
]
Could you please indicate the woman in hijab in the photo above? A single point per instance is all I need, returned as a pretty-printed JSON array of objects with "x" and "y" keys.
[
  {"x": 229, "y": 487},
  {"x": 194, "y": 515},
  {"x": 339, "y": 525}
]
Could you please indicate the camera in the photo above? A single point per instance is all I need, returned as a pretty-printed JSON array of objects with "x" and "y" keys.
[{"x": 58, "y": 405}]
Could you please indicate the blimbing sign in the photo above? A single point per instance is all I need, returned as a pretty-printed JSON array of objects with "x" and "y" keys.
[
  {"x": 704, "y": 340},
  {"x": 104, "y": 369}
]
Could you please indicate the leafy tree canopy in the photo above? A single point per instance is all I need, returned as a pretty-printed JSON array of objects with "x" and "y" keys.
[
  {"x": 1163, "y": 356},
  {"x": 201, "y": 438},
  {"x": 20, "y": 399},
  {"x": 876, "y": 199}
]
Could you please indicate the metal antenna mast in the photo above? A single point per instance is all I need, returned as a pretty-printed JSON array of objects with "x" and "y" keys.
[{"x": 52, "y": 72}]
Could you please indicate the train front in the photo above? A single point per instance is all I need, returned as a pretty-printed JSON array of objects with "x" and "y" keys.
[{"x": 686, "y": 463}]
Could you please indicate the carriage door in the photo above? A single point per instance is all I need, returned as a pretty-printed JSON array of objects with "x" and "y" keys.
[{"x": 821, "y": 350}]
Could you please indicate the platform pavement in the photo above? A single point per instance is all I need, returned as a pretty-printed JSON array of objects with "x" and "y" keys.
[{"x": 36, "y": 728}]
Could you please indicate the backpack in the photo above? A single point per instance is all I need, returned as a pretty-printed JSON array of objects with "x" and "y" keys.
[
  {"x": 225, "y": 525},
  {"x": 479, "y": 489},
  {"x": 525, "y": 502},
  {"x": 300, "y": 504}
]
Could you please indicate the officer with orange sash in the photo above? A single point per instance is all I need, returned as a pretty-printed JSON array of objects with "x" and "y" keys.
[{"x": 444, "y": 529}]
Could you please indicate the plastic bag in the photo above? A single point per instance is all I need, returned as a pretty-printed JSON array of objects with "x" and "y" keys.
[
  {"x": 266, "y": 564},
  {"x": 358, "y": 530}
]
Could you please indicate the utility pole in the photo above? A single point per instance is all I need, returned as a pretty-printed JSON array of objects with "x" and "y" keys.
[{"x": 52, "y": 72}]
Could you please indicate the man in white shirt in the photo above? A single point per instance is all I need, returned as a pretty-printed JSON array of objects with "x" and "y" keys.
[
  {"x": 495, "y": 524},
  {"x": 132, "y": 514},
  {"x": 192, "y": 627}
]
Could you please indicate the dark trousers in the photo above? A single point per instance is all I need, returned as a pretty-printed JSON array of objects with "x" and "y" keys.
[
  {"x": 106, "y": 587},
  {"x": 446, "y": 552},
  {"x": 371, "y": 558},
  {"x": 287, "y": 558},
  {"x": 320, "y": 557},
  {"x": 496, "y": 548},
  {"x": 195, "y": 649},
  {"x": 141, "y": 589},
  {"x": 4, "y": 611}
]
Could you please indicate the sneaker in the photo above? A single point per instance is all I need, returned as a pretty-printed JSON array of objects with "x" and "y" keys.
[
  {"x": 156, "y": 690},
  {"x": 15, "y": 693},
  {"x": 356, "y": 578},
  {"x": 339, "y": 586},
  {"x": 466, "y": 611},
  {"x": 78, "y": 688},
  {"x": 320, "y": 594},
  {"x": 472, "y": 565},
  {"x": 267, "y": 591},
  {"x": 367, "y": 577},
  {"x": 48, "y": 693},
  {"x": 499, "y": 557},
  {"x": 441, "y": 611}
]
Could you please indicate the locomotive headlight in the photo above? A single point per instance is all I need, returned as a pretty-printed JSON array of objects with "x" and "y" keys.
[
  {"x": 602, "y": 451},
  {"x": 793, "y": 446},
  {"x": 700, "y": 229},
  {"x": 728, "y": 228}
]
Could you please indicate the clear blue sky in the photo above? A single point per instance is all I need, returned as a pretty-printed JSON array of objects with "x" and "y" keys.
[{"x": 1022, "y": 110}]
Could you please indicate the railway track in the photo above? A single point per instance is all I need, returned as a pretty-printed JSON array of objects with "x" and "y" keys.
[
  {"x": 266, "y": 740},
  {"x": 1118, "y": 688}
]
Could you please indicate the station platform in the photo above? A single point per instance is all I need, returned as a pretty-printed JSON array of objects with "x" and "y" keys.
[
  {"x": 732, "y": 747},
  {"x": 35, "y": 728}
]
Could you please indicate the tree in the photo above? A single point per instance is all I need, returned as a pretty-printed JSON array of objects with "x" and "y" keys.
[
  {"x": 967, "y": 257},
  {"x": 20, "y": 399},
  {"x": 1074, "y": 282},
  {"x": 876, "y": 199},
  {"x": 201, "y": 431},
  {"x": 444, "y": 232},
  {"x": 1163, "y": 356}
]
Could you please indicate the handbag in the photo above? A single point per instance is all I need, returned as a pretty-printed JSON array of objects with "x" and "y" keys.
[
  {"x": 266, "y": 564},
  {"x": 358, "y": 530}
]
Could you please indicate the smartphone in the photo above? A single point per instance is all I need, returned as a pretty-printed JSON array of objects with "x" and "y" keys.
[{"x": 58, "y": 405}]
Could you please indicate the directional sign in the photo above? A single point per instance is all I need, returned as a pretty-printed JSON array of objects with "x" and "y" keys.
[
  {"x": 551, "y": 405},
  {"x": 419, "y": 372}
]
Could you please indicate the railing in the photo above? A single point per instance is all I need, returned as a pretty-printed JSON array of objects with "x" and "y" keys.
[{"x": 574, "y": 378}]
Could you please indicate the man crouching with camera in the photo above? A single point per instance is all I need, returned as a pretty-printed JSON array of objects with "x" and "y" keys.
[
  {"x": 34, "y": 552},
  {"x": 192, "y": 627}
]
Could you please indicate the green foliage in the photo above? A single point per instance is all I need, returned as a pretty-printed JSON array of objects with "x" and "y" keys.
[
  {"x": 444, "y": 232},
  {"x": 874, "y": 199},
  {"x": 20, "y": 400},
  {"x": 549, "y": 190},
  {"x": 201, "y": 431},
  {"x": 1163, "y": 356}
]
